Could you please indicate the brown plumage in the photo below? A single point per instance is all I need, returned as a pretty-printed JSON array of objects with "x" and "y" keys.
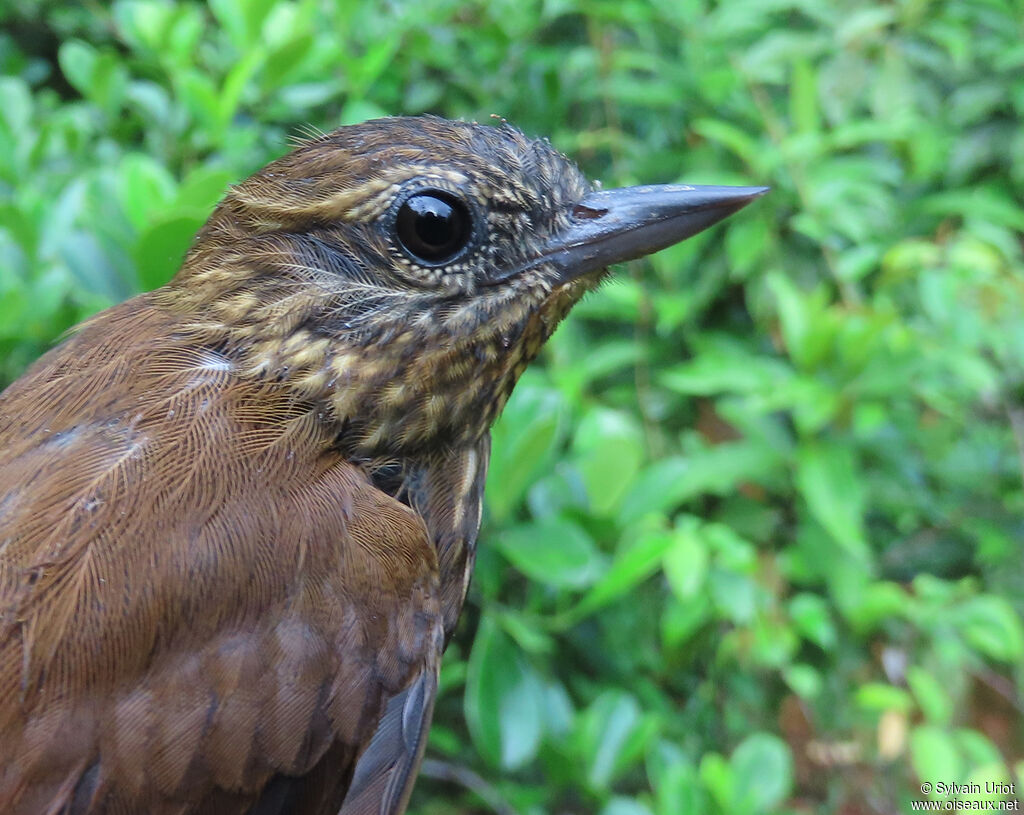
[{"x": 238, "y": 514}]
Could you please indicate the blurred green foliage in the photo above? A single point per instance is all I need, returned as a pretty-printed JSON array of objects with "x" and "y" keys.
[{"x": 754, "y": 520}]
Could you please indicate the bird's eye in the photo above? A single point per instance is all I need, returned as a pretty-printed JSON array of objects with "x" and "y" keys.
[{"x": 433, "y": 226}]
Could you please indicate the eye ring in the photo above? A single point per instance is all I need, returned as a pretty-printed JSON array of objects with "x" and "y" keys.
[{"x": 433, "y": 227}]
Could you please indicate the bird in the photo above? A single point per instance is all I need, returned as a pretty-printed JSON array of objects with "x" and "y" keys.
[{"x": 238, "y": 513}]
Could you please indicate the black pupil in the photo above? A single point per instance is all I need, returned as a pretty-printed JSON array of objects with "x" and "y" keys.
[{"x": 433, "y": 226}]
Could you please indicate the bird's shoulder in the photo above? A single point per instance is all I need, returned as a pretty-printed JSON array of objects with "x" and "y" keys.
[{"x": 199, "y": 601}]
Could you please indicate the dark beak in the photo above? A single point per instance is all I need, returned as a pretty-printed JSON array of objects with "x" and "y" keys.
[{"x": 610, "y": 226}]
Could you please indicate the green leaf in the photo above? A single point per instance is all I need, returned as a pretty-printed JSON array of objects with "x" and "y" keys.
[
  {"x": 680, "y": 621},
  {"x": 610, "y": 449},
  {"x": 184, "y": 32},
  {"x": 794, "y": 316},
  {"x": 872, "y": 603},
  {"x": 830, "y": 482},
  {"x": 22, "y": 229},
  {"x": 803, "y": 98},
  {"x": 605, "y": 359},
  {"x": 504, "y": 700},
  {"x": 243, "y": 19},
  {"x": 607, "y": 736},
  {"x": 235, "y": 84},
  {"x": 747, "y": 243},
  {"x": 144, "y": 23},
  {"x": 878, "y": 696},
  {"x": 993, "y": 779},
  {"x": 287, "y": 59},
  {"x": 162, "y": 246},
  {"x": 727, "y": 368},
  {"x": 805, "y": 681},
  {"x": 554, "y": 551},
  {"x": 15, "y": 105},
  {"x": 78, "y": 63},
  {"x": 992, "y": 626},
  {"x": 932, "y": 697},
  {"x": 630, "y": 568},
  {"x": 686, "y": 561},
  {"x": 144, "y": 187},
  {"x": 109, "y": 83},
  {"x": 625, "y": 806},
  {"x": 202, "y": 189},
  {"x": 524, "y": 441},
  {"x": 774, "y": 643},
  {"x": 199, "y": 94},
  {"x": 92, "y": 266},
  {"x": 720, "y": 780},
  {"x": 734, "y": 595},
  {"x": 527, "y": 632},
  {"x": 977, "y": 748},
  {"x": 934, "y": 755},
  {"x": 763, "y": 771},
  {"x": 985, "y": 203},
  {"x": 865, "y": 24},
  {"x": 812, "y": 619},
  {"x": 731, "y": 137},
  {"x": 715, "y": 470},
  {"x": 678, "y": 789},
  {"x": 354, "y": 110}
]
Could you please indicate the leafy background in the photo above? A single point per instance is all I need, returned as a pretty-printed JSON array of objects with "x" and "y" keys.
[{"x": 754, "y": 520}]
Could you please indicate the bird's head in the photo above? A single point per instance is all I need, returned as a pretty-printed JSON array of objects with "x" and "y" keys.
[{"x": 404, "y": 271}]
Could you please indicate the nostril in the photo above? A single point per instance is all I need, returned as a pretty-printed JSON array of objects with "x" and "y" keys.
[{"x": 585, "y": 213}]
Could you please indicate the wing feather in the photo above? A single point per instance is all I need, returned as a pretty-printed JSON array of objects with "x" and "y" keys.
[
  {"x": 447, "y": 492},
  {"x": 385, "y": 772},
  {"x": 201, "y": 609}
]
